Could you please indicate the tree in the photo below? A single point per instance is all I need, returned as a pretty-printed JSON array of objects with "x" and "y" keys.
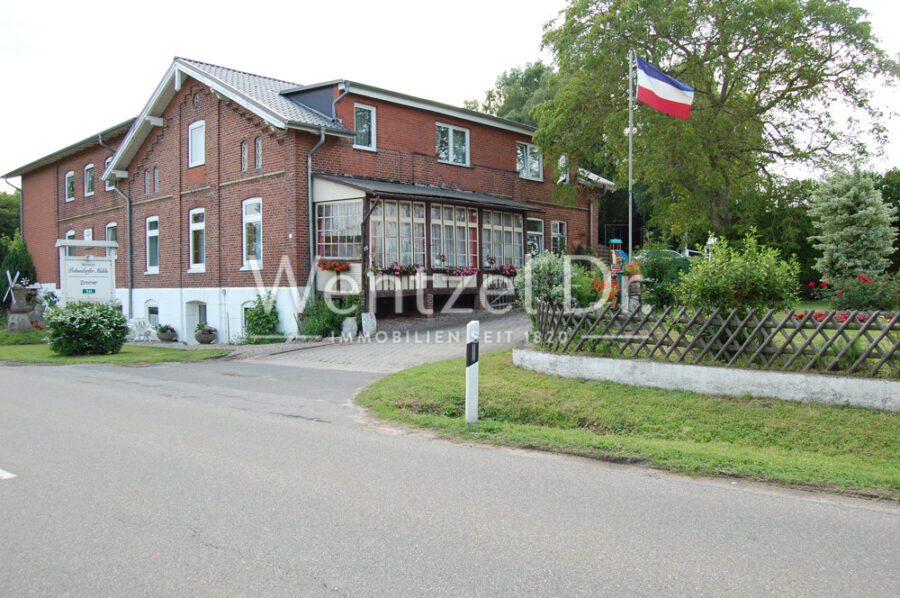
[
  {"x": 766, "y": 75},
  {"x": 9, "y": 213},
  {"x": 889, "y": 184},
  {"x": 853, "y": 227},
  {"x": 518, "y": 92},
  {"x": 17, "y": 260}
]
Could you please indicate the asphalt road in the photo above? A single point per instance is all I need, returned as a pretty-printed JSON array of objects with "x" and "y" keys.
[{"x": 261, "y": 478}]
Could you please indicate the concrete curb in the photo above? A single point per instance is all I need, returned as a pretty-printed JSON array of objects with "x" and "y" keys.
[{"x": 790, "y": 386}]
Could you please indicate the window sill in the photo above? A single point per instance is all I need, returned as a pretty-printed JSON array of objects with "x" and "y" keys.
[
  {"x": 68, "y": 199},
  {"x": 466, "y": 165},
  {"x": 196, "y": 270},
  {"x": 367, "y": 148},
  {"x": 251, "y": 267},
  {"x": 88, "y": 194},
  {"x": 528, "y": 178},
  {"x": 197, "y": 164},
  {"x": 148, "y": 272}
]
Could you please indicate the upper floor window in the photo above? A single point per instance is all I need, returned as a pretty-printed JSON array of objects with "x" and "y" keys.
[
  {"x": 88, "y": 234},
  {"x": 252, "y": 232},
  {"x": 364, "y": 123},
  {"x": 529, "y": 162},
  {"x": 108, "y": 184},
  {"x": 146, "y": 182},
  {"x": 152, "y": 245},
  {"x": 70, "y": 185},
  {"x": 244, "y": 156},
  {"x": 258, "y": 143},
  {"x": 452, "y": 144},
  {"x": 197, "y": 218},
  {"x": 156, "y": 179},
  {"x": 197, "y": 143},
  {"x": 88, "y": 180}
]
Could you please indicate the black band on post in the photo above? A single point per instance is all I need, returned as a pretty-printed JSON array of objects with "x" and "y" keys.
[{"x": 471, "y": 353}]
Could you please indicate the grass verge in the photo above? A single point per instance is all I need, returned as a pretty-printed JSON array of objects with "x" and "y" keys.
[
  {"x": 838, "y": 449},
  {"x": 130, "y": 354}
]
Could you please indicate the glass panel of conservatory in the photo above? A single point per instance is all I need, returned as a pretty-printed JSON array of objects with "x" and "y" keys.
[
  {"x": 390, "y": 241},
  {"x": 405, "y": 242},
  {"x": 448, "y": 246},
  {"x": 378, "y": 242},
  {"x": 461, "y": 254},
  {"x": 498, "y": 246},
  {"x": 436, "y": 248}
]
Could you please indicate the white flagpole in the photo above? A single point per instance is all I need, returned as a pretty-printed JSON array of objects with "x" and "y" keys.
[{"x": 630, "y": 141}]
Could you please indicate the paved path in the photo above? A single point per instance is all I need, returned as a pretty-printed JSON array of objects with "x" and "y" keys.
[{"x": 261, "y": 478}]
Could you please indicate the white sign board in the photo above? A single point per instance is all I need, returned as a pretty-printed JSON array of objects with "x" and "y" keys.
[{"x": 88, "y": 278}]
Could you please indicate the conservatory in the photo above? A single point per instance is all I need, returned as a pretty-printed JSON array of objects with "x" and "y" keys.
[{"x": 399, "y": 238}]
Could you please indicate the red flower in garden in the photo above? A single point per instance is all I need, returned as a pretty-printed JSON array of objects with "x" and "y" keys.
[
  {"x": 824, "y": 283},
  {"x": 812, "y": 284},
  {"x": 840, "y": 292}
]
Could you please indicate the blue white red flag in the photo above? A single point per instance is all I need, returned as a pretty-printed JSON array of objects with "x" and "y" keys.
[{"x": 659, "y": 90}]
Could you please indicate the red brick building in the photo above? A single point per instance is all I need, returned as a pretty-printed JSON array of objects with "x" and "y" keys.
[{"x": 228, "y": 180}]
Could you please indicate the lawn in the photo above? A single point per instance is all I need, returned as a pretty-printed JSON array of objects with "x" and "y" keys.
[
  {"x": 838, "y": 449},
  {"x": 41, "y": 353}
]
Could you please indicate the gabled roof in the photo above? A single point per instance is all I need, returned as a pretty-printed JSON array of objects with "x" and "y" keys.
[
  {"x": 396, "y": 189},
  {"x": 73, "y": 149},
  {"x": 258, "y": 94}
]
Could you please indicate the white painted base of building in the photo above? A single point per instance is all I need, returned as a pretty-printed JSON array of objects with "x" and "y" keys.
[
  {"x": 790, "y": 386},
  {"x": 180, "y": 307}
]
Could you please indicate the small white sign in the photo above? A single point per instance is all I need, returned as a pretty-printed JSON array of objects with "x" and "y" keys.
[{"x": 88, "y": 279}]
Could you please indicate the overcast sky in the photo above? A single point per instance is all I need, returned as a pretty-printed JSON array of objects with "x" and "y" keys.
[{"x": 72, "y": 69}]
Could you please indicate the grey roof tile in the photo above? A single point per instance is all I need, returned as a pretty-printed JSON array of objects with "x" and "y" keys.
[{"x": 265, "y": 91}]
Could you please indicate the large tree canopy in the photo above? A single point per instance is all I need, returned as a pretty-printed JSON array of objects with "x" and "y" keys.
[
  {"x": 766, "y": 74},
  {"x": 518, "y": 92}
]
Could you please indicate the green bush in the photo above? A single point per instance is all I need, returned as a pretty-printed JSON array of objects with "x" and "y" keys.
[
  {"x": 262, "y": 321},
  {"x": 745, "y": 277},
  {"x": 867, "y": 293},
  {"x": 660, "y": 271},
  {"x": 547, "y": 272},
  {"x": 85, "y": 328},
  {"x": 318, "y": 319}
]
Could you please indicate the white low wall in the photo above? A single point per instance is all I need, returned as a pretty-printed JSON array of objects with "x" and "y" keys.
[{"x": 790, "y": 386}]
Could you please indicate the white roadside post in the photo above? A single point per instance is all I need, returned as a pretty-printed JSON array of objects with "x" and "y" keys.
[{"x": 472, "y": 372}]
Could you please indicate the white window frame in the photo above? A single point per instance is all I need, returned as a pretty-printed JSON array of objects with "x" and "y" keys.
[
  {"x": 69, "y": 175},
  {"x": 257, "y": 157},
  {"x": 450, "y": 131},
  {"x": 155, "y": 233},
  {"x": 524, "y": 171},
  {"x": 197, "y": 152},
  {"x": 559, "y": 232},
  {"x": 146, "y": 182},
  {"x": 245, "y": 156},
  {"x": 148, "y": 305},
  {"x": 88, "y": 179},
  {"x": 70, "y": 236},
  {"x": 113, "y": 226},
  {"x": 507, "y": 230},
  {"x": 88, "y": 234},
  {"x": 195, "y": 267},
  {"x": 339, "y": 229},
  {"x": 156, "y": 179},
  {"x": 109, "y": 185},
  {"x": 245, "y": 220},
  {"x": 373, "y": 129},
  {"x": 529, "y": 233}
]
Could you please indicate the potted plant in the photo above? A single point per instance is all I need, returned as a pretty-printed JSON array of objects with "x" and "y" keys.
[
  {"x": 166, "y": 333},
  {"x": 204, "y": 333}
]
